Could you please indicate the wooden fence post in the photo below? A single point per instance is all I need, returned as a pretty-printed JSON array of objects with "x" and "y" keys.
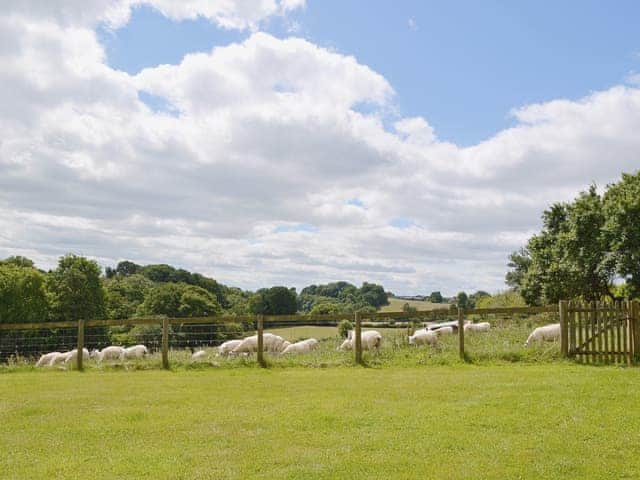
[
  {"x": 260, "y": 322},
  {"x": 635, "y": 330},
  {"x": 165, "y": 343},
  {"x": 358, "y": 339},
  {"x": 461, "y": 332},
  {"x": 80, "y": 347},
  {"x": 564, "y": 328}
]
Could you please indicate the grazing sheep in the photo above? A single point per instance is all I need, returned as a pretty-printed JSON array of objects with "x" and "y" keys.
[
  {"x": 371, "y": 339},
  {"x": 305, "y": 346},
  {"x": 58, "y": 359},
  {"x": 109, "y": 353},
  {"x": 72, "y": 356},
  {"x": 46, "y": 359},
  {"x": 198, "y": 356},
  {"x": 271, "y": 343},
  {"x": 548, "y": 333},
  {"x": 444, "y": 331},
  {"x": 423, "y": 337},
  {"x": 227, "y": 347},
  {"x": 137, "y": 351},
  {"x": 477, "y": 327}
]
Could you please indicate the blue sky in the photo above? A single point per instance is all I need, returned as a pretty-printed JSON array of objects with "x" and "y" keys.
[{"x": 462, "y": 65}]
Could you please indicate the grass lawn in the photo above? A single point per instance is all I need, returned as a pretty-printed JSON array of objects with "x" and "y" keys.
[{"x": 455, "y": 422}]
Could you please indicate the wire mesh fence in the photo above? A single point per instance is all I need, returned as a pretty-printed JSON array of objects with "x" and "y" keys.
[{"x": 198, "y": 342}]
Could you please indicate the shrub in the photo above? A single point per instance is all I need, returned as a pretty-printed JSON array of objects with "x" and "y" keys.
[{"x": 343, "y": 328}]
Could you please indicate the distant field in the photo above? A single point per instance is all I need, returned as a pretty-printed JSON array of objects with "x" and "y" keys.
[
  {"x": 396, "y": 304},
  {"x": 455, "y": 422}
]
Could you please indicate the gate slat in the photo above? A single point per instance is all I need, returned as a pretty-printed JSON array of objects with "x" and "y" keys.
[
  {"x": 580, "y": 335},
  {"x": 587, "y": 335},
  {"x": 572, "y": 331},
  {"x": 606, "y": 322},
  {"x": 618, "y": 335},
  {"x": 625, "y": 344}
]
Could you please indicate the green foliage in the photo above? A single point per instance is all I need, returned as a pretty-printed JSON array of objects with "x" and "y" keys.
[
  {"x": 408, "y": 308},
  {"x": 179, "y": 300},
  {"x": 565, "y": 260},
  {"x": 374, "y": 294},
  {"x": 462, "y": 300},
  {"x": 622, "y": 229},
  {"x": 344, "y": 327},
  {"x": 126, "y": 268},
  {"x": 75, "y": 289},
  {"x": 124, "y": 294},
  {"x": 274, "y": 301},
  {"x": 341, "y": 297},
  {"x": 327, "y": 308},
  {"x": 237, "y": 302},
  {"x": 22, "y": 294},
  {"x": 519, "y": 263},
  {"x": 436, "y": 297},
  {"x": 18, "y": 261},
  {"x": 509, "y": 298}
]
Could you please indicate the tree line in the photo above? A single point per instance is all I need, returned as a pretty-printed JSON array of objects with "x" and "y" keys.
[{"x": 76, "y": 289}]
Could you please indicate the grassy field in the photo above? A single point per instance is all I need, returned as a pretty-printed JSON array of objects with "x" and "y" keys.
[
  {"x": 460, "y": 422},
  {"x": 396, "y": 304}
]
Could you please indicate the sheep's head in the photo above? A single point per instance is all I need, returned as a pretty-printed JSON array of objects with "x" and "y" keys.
[{"x": 412, "y": 340}]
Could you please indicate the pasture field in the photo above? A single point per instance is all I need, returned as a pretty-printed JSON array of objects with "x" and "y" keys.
[
  {"x": 396, "y": 304},
  {"x": 552, "y": 421}
]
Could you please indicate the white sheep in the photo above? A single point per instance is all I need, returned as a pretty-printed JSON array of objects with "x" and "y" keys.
[
  {"x": 304, "y": 346},
  {"x": 199, "y": 355},
  {"x": 548, "y": 333},
  {"x": 270, "y": 342},
  {"x": 370, "y": 340},
  {"x": 423, "y": 337},
  {"x": 443, "y": 331},
  {"x": 58, "y": 359},
  {"x": 109, "y": 353},
  {"x": 136, "y": 351},
  {"x": 477, "y": 327},
  {"x": 46, "y": 359},
  {"x": 227, "y": 347},
  {"x": 72, "y": 356}
]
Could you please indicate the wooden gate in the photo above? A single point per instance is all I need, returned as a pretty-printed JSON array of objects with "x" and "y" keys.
[{"x": 601, "y": 332}]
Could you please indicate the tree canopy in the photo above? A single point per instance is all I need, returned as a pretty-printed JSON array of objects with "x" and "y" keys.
[{"x": 584, "y": 245}]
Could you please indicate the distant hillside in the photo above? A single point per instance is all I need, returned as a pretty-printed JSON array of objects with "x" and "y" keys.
[{"x": 396, "y": 304}]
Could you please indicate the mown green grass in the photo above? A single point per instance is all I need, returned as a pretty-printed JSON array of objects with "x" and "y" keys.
[{"x": 552, "y": 421}]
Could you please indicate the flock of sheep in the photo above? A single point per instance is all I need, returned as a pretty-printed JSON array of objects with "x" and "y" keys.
[
  {"x": 109, "y": 353},
  {"x": 370, "y": 341}
]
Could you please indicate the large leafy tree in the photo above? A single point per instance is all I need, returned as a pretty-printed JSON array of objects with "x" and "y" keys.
[
  {"x": 75, "y": 289},
  {"x": 274, "y": 301},
  {"x": 179, "y": 300},
  {"x": 436, "y": 297},
  {"x": 22, "y": 294},
  {"x": 565, "y": 260},
  {"x": 622, "y": 229}
]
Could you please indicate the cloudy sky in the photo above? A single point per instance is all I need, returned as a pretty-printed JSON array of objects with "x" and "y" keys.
[{"x": 263, "y": 142}]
